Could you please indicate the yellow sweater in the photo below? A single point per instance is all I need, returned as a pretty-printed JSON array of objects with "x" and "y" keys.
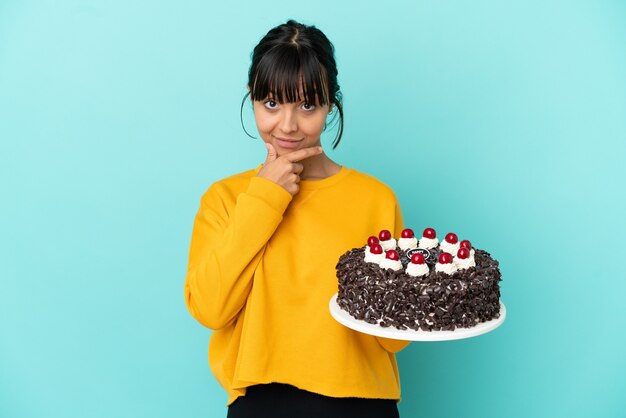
[{"x": 262, "y": 271}]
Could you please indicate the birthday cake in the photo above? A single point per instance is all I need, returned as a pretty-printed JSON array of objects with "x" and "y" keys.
[{"x": 423, "y": 284}]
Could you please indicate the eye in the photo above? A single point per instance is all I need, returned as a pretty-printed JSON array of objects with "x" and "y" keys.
[
  {"x": 308, "y": 106},
  {"x": 270, "y": 104}
]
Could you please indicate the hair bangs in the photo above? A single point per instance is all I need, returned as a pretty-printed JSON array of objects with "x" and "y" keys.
[{"x": 290, "y": 74}]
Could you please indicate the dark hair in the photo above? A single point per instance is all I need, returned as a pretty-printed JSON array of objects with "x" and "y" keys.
[{"x": 293, "y": 56}]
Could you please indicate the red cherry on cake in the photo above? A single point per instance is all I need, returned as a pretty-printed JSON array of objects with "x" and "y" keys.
[
  {"x": 384, "y": 235},
  {"x": 376, "y": 249},
  {"x": 445, "y": 258},
  {"x": 392, "y": 255},
  {"x": 408, "y": 233},
  {"x": 451, "y": 238},
  {"x": 417, "y": 258},
  {"x": 466, "y": 244},
  {"x": 429, "y": 233},
  {"x": 372, "y": 240},
  {"x": 463, "y": 253}
]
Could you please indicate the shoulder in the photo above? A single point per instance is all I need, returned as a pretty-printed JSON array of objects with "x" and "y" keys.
[
  {"x": 229, "y": 187},
  {"x": 373, "y": 185},
  {"x": 236, "y": 180}
]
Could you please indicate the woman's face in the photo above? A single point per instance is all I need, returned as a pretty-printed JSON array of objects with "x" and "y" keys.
[{"x": 290, "y": 126}]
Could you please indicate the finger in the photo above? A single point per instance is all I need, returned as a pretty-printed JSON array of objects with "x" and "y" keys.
[
  {"x": 303, "y": 154},
  {"x": 297, "y": 168},
  {"x": 271, "y": 153},
  {"x": 296, "y": 178}
]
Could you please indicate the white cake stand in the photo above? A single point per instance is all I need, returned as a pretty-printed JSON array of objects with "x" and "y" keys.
[{"x": 346, "y": 319}]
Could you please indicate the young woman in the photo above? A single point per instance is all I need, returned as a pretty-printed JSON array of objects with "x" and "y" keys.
[{"x": 265, "y": 244}]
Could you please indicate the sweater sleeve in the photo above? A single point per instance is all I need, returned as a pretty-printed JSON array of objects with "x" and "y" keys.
[
  {"x": 227, "y": 244},
  {"x": 393, "y": 346}
]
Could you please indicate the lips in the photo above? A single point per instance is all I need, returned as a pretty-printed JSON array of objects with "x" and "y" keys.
[
  {"x": 287, "y": 139},
  {"x": 287, "y": 143}
]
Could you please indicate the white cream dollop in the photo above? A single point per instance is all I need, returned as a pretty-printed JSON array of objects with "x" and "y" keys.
[
  {"x": 445, "y": 246},
  {"x": 388, "y": 263},
  {"x": 448, "y": 268},
  {"x": 464, "y": 263},
  {"x": 407, "y": 243},
  {"x": 389, "y": 244},
  {"x": 417, "y": 270},
  {"x": 428, "y": 243},
  {"x": 370, "y": 257}
]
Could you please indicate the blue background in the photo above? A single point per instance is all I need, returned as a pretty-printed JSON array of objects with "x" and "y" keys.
[{"x": 502, "y": 121}]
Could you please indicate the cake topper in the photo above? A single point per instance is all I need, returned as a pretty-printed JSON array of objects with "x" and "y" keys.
[
  {"x": 386, "y": 241},
  {"x": 384, "y": 235},
  {"x": 444, "y": 264},
  {"x": 423, "y": 251},
  {"x": 417, "y": 267},
  {"x": 374, "y": 254},
  {"x": 407, "y": 240},
  {"x": 429, "y": 239},
  {"x": 464, "y": 258},
  {"x": 450, "y": 244},
  {"x": 463, "y": 253},
  {"x": 391, "y": 261}
]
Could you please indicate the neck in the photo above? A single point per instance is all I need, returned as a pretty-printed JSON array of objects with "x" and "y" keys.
[{"x": 319, "y": 167}]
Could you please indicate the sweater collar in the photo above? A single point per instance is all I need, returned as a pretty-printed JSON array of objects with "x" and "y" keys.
[{"x": 322, "y": 183}]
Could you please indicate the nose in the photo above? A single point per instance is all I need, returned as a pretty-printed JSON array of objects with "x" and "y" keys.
[{"x": 288, "y": 121}]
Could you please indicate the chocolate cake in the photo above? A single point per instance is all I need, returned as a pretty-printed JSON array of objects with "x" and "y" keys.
[{"x": 419, "y": 285}]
